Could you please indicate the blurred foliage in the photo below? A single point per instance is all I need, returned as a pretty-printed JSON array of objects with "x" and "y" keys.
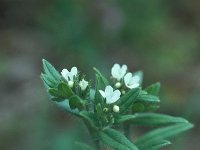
[{"x": 159, "y": 37}]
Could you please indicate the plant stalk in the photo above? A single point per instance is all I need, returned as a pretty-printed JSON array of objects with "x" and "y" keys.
[{"x": 93, "y": 135}]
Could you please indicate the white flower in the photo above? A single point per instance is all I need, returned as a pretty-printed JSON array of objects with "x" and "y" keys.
[
  {"x": 118, "y": 72},
  {"x": 110, "y": 95},
  {"x": 131, "y": 81},
  {"x": 83, "y": 84},
  {"x": 116, "y": 108},
  {"x": 70, "y": 75}
]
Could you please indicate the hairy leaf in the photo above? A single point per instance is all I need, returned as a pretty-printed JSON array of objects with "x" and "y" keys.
[
  {"x": 157, "y": 145},
  {"x": 161, "y": 134},
  {"x": 148, "y": 98},
  {"x": 153, "y": 89},
  {"x": 126, "y": 101},
  {"x": 50, "y": 70},
  {"x": 150, "y": 119},
  {"x": 116, "y": 140}
]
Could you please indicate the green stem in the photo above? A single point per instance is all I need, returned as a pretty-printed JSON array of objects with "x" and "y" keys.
[{"x": 93, "y": 135}]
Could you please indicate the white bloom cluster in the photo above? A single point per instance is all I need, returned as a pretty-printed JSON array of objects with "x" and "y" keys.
[
  {"x": 120, "y": 72},
  {"x": 70, "y": 77}
]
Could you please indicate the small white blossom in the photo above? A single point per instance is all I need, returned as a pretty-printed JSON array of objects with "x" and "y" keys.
[
  {"x": 118, "y": 72},
  {"x": 116, "y": 108},
  {"x": 110, "y": 95},
  {"x": 70, "y": 75},
  {"x": 131, "y": 81},
  {"x": 83, "y": 84}
]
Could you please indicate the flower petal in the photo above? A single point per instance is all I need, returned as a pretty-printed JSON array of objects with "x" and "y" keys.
[
  {"x": 74, "y": 71},
  {"x": 108, "y": 91},
  {"x": 64, "y": 74},
  {"x": 123, "y": 70},
  {"x": 102, "y": 93},
  {"x": 115, "y": 96},
  {"x": 115, "y": 71},
  {"x": 127, "y": 78}
]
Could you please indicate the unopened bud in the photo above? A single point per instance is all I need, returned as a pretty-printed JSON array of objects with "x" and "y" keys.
[
  {"x": 118, "y": 85},
  {"x": 71, "y": 84},
  {"x": 123, "y": 92},
  {"x": 105, "y": 109},
  {"x": 116, "y": 108}
]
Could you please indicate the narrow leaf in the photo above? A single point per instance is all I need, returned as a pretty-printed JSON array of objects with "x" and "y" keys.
[
  {"x": 153, "y": 89},
  {"x": 150, "y": 119},
  {"x": 157, "y": 145},
  {"x": 54, "y": 92},
  {"x": 116, "y": 140},
  {"x": 50, "y": 70},
  {"x": 148, "y": 98},
  {"x": 161, "y": 134},
  {"x": 126, "y": 101},
  {"x": 50, "y": 83},
  {"x": 105, "y": 81}
]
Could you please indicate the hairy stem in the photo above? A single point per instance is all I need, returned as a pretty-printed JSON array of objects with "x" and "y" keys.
[{"x": 92, "y": 133}]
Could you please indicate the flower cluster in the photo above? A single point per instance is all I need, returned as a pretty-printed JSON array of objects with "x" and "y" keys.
[
  {"x": 70, "y": 77},
  {"x": 111, "y": 104},
  {"x": 120, "y": 74}
]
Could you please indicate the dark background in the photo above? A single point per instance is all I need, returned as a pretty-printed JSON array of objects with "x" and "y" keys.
[{"x": 159, "y": 37}]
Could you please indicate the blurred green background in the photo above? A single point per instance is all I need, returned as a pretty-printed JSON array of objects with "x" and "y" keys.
[{"x": 162, "y": 38}]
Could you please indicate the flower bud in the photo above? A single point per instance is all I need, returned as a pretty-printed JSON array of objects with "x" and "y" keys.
[
  {"x": 83, "y": 84},
  {"x": 116, "y": 108},
  {"x": 118, "y": 85},
  {"x": 123, "y": 92},
  {"x": 71, "y": 84},
  {"x": 105, "y": 109}
]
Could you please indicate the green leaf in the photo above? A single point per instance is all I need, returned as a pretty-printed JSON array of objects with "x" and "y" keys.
[
  {"x": 150, "y": 119},
  {"x": 54, "y": 92},
  {"x": 148, "y": 98},
  {"x": 101, "y": 83},
  {"x": 157, "y": 145},
  {"x": 153, "y": 89},
  {"x": 65, "y": 90},
  {"x": 104, "y": 80},
  {"x": 116, "y": 140},
  {"x": 50, "y": 70},
  {"x": 83, "y": 146},
  {"x": 126, "y": 101},
  {"x": 161, "y": 134},
  {"x": 75, "y": 102},
  {"x": 61, "y": 92},
  {"x": 48, "y": 81}
]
